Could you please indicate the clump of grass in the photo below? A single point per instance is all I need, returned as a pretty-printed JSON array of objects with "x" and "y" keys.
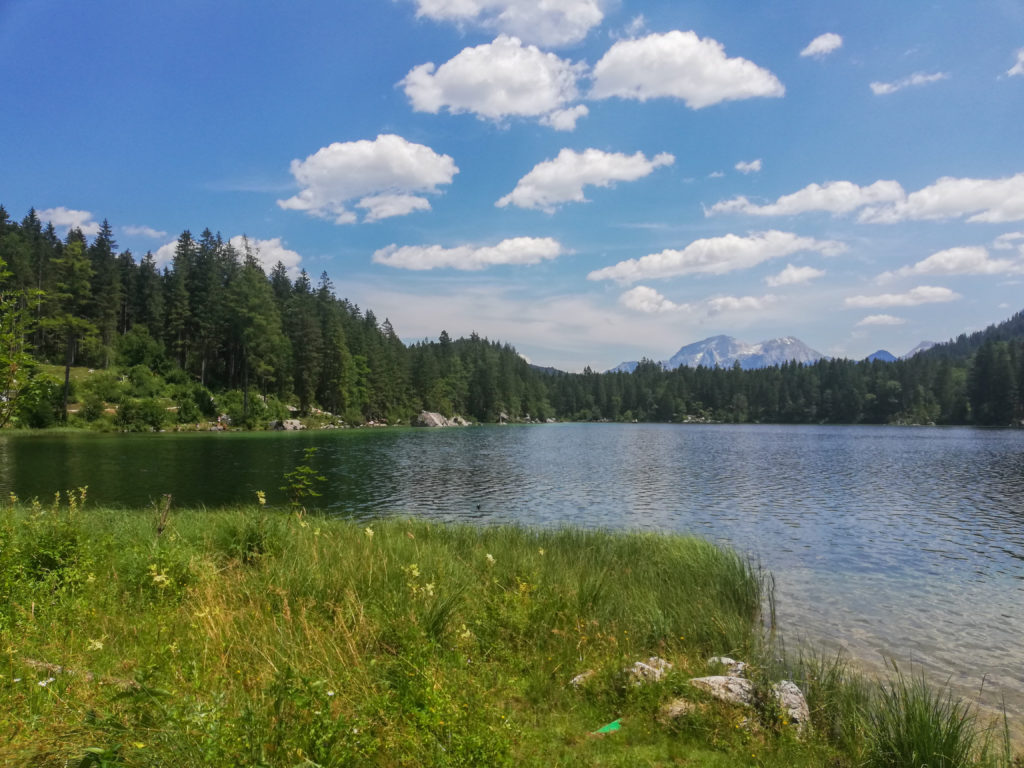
[{"x": 916, "y": 725}]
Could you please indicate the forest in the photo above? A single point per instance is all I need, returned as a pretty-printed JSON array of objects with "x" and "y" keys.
[{"x": 211, "y": 333}]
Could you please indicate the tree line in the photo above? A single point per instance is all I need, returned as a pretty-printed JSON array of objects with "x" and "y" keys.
[{"x": 213, "y": 332}]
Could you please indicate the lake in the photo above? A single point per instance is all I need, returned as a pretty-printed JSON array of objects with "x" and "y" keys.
[{"x": 893, "y": 542}]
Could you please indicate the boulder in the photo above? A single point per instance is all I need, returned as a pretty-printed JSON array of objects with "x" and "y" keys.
[
  {"x": 793, "y": 704},
  {"x": 430, "y": 419},
  {"x": 728, "y": 688},
  {"x": 675, "y": 709}
]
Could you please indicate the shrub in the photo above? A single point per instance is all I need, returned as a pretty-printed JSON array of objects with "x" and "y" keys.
[{"x": 141, "y": 415}]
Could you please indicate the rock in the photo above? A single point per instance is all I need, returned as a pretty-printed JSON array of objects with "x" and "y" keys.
[
  {"x": 580, "y": 679},
  {"x": 430, "y": 419},
  {"x": 739, "y": 690},
  {"x": 675, "y": 709},
  {"x": 288, "y": 425},
  {"x": 650, "y": 671},
  {"x": 793, "y": 704},
  {"x": 733, "y": 667},
  {"x": 728, "y": 688}
]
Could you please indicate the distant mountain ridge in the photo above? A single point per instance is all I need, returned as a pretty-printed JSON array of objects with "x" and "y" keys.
[{"x": 725, "y": 351}]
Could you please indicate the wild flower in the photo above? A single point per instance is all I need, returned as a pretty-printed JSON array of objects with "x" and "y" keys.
[
  {"x": 490, "y": 559},
  {"x": 13, "y": 498},
  {"x": 369, "y": 533},
  {"x": 261, "y": 498},
  {"x": 46, "y": 682},
  {"x": 97, "y": 645},
  {"x": 160, "y": 578}
]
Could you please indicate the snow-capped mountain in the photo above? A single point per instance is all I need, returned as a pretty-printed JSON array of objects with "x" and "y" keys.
[
  {"x": 919, "y": 348},
  {"x": 724, "y": 351}
]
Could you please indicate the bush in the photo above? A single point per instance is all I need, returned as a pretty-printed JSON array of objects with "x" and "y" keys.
[
  {"x": 41, "y": 403},
  {"x": 104, "y": 385},
  {"x": 141, "y": 415}
]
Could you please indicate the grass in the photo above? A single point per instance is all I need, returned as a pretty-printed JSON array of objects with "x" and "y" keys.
[{"x": 263, "y": 637}]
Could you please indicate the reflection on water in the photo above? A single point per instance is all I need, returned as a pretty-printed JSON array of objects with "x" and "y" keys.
[{"x": 900, "y": 542}]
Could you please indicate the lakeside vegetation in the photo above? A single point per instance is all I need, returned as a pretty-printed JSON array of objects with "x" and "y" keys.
[
  {"x": 211, "y": 333},
  {"x": 272, "y": 637}
]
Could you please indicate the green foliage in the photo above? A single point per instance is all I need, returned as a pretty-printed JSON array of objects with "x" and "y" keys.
[
  {"x": 301, "y": 483},
  {"x": 141, "y": 415},
  {"x": 41, "y": 402}
]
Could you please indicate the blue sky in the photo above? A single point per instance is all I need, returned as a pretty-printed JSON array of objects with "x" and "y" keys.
[{"x": 591, "y": 181}]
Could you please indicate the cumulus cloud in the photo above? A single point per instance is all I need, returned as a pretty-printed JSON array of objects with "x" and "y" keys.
[
  {"x": 716, "y": 256},
  {"x": 164, "y": 255},
  {"x": 918, "y": 78},
  {"x": 836, "y": 197},
  {"x": 754, "y": 166},
  {"x": 1017, "y": 70},
  {"x": 794, "y": 276},
  {"x": 969, "y": 260},
  {"x": 549, "y": 22},
  {"x": 68, "y": 219},
  {"x": 923, "y": 294},
  {"x": 562, "y": 180},
  {"x": 143, "y": 232},
  {"x": 881, "y": 320},
  {"x": 648, "y": 300},
  {"x": 680, "y": 65},
  {"x": 823, "y": 45},
  {"x": 516, "y": 250},
  {"x": 722, "y": 304},
  {"x": 496, "y": 81},
  {"x": 983, "y": 200},
  {"x": 381, "y": 176},
  {"x": 716, "y": 175},
  {"x": 267, "y": 252}
]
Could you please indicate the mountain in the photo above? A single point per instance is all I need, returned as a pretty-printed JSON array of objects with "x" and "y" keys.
[
  {"x": 922, "y": 347},
  {"x": 724, "y": 351},
  {"x": 883, "y": 355},
  {"x": 627, "y": 367}
]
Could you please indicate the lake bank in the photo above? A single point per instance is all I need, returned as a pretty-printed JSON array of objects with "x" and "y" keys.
[{"x": 250, "y": 636}]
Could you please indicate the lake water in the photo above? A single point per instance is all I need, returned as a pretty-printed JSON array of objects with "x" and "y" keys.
[{"x": 903, "y": 543}]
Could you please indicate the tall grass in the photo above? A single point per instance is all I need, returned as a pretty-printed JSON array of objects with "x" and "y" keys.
[{"x": 264, "y": 637}]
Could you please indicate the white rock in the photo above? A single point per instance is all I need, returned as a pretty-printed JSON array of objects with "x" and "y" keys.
[
  {"x": 793, "y": 703},
  {"x": 728, "y": 688},
  {"x": 650, "y": 671},
  {"x": 581, "y": 678}
]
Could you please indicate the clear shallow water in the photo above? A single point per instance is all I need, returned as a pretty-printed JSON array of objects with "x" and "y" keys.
[{"x": 892, "y": 542}]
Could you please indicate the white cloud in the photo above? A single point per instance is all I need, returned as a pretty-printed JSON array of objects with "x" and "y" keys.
[
  {"x": 385, "y": 206},
  {"x": 164, "y": 255},
  {"x": 835, "y": 197},
  {"x": 722, "y": 304},
  {"x": 1008, "y": 241},
  {"x": 565, "y": 119},
  {"x": 143, "y": 231},
  {"x": 969, "y": 260},
  {"x": 496, "y": 81},
  {"x": 881, "y": 320},
  {"x": 794, "y": 276},
  {"x": 68, "y": 219},
  {"x": 546, "y": 22},
  {"x": 648, "y": 300},
  {"x": 516, "y": 250},
  {"x": 754, "y": 166},
  {"x": 716, "y": 175},
  {"x": 561, "y": 180},
  {"x": 918, "y": 78},
  {"x": 984, "y": 200},
  {"x": 267, "y": 253},
  {"x": 1017, "y": 70},
  {"x": 923, "y": 294},
  {"x": 380, "y": 175},
  {"x": 716, "y": 256},
  {"x": 679, "y": 65},
  {"x": 823, "y": 45}
]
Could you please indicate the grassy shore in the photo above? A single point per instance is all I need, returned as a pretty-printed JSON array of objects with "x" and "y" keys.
[{"x": 167, "y": 637}]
